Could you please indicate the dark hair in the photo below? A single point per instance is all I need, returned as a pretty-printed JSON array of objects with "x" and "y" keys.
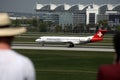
[
  {"x": 8, "y": 39},
  {"x": 116, "y": 40}
]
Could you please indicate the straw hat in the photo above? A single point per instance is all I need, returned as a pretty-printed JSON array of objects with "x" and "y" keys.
[{"x": 6, "y": 30}]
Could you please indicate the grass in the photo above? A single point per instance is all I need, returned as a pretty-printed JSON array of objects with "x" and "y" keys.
[
  {"x": 27, "y": 40},
  {"x": 67, "y": 65},
  {"x": 30, "y": 37},
  {"x": 24, "y": 39}
]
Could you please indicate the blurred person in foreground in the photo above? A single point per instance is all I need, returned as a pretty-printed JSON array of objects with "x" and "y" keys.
[
  {"x": 13, "y": 66},
  {"x": 112, "y": 71}
]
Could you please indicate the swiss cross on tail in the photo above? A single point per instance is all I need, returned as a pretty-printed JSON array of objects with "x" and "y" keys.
[{"x": 98, "y": 36}]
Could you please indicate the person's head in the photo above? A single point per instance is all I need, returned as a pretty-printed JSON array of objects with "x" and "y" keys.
[
  {"x": 7, "y": 32},
  {"x": 116, "y": 40}
]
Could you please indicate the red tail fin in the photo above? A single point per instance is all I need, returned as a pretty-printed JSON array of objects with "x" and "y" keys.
[{"x": 98, "y": 36}]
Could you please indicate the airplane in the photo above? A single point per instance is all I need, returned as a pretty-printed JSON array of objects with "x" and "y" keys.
[{"x": 72, "y": 40}]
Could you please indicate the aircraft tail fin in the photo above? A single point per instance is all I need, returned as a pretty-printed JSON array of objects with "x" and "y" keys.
[{"x": 98, "y": 36}]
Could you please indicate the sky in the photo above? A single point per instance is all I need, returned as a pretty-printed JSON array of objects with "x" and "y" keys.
[{"x": 28, "y": 6}]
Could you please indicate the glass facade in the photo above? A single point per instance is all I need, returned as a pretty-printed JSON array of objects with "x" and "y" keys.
[
  {"x": 91, "y": 18},
  {"x": 115, "y": 19},
  {"x": 65, "y": 19},
  {"x": 79, "y": 19},
  {"x": 79, "y": 14}
]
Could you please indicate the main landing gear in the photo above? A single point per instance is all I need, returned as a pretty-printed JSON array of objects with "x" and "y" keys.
[{"x": 71, "y": 45}]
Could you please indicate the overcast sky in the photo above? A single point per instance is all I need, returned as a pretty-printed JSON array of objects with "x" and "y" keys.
[{"x": 28, "y": 5}]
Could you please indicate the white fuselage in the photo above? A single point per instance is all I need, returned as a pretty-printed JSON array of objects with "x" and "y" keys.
[
  {"x": 59, "y": 39},
  {"x": 98, "y": 36}
]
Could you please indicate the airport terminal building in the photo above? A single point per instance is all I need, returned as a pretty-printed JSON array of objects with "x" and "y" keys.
[{"x": 65, "y": 14}]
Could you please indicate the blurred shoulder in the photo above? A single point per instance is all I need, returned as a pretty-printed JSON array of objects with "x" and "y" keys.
[
  {"x": 21, "y": 57},
  {"x": 110, "y": 66}
]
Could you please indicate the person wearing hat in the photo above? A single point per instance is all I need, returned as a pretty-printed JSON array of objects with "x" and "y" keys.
[
  {"x": 112, "y": 71},
  {"x": 13, "y": 66}
]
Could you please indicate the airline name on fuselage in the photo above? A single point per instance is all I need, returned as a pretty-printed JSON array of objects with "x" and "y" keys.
[{"x": 53, "y": 39}]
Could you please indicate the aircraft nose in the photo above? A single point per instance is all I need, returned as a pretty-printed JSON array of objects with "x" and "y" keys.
[{"x": 37, "y": 40}]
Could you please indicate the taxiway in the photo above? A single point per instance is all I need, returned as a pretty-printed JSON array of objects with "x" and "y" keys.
[{"x": 77, "y": 48}]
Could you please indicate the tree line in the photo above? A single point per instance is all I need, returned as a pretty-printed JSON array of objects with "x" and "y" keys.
[{"x": 37, "y": 25}]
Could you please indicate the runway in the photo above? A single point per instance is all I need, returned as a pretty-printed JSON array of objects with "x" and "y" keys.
[{"x": 84, "y": 48}]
